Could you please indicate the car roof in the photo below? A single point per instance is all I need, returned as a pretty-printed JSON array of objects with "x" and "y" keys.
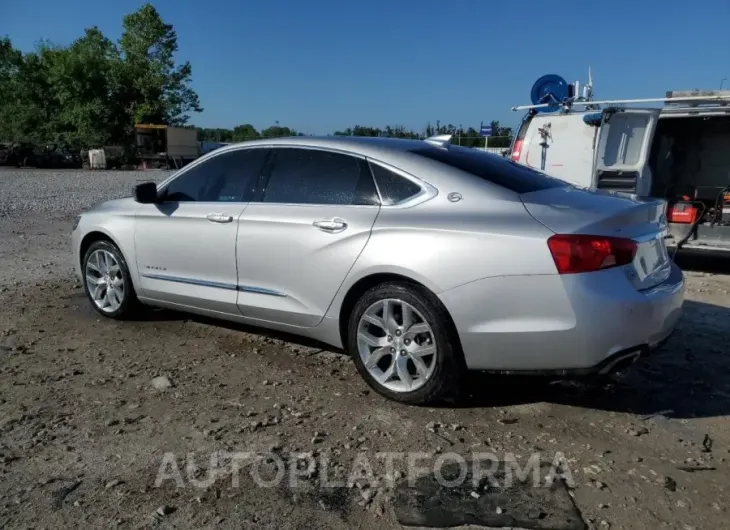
[
  {"x": 422, "y": 159},
  {"x": 400, "y": 153},
  {"x": 363, "y": 145}
]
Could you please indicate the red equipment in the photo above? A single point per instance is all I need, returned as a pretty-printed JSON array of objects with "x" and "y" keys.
[{"x": 682, "y": 212}]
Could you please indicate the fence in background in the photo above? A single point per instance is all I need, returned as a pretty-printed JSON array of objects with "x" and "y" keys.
[
  {"x": 493, "y": 150},
  {"x": 478, "y": 141}
]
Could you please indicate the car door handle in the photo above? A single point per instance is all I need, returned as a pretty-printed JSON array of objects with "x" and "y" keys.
[
  {"x": 330, "y": 225},
  {"x": 219, "y": 218}
]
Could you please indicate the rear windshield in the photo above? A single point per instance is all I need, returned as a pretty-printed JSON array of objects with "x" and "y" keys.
[{"x": 497, "y": 170}]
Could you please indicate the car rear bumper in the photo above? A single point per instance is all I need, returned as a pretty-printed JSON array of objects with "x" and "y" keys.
[
  {"x": 611, "y": 364},
  {"x": 572, "y": 323}
]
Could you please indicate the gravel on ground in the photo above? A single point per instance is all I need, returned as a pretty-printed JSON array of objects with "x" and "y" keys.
[{"x": 118, "y": 424}]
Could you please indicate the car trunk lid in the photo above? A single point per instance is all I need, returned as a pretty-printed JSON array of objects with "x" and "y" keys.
[{"x": 571, "y": 210}]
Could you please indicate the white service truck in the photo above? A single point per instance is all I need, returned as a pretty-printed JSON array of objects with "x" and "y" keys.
[
  {"x": 165, "y": 146},
  {"x": 678, "y": 151}
]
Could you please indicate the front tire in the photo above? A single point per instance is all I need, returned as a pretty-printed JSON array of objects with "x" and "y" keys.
[
  {"x": 107, "y": 282},
  {"x": 404, "y": 344}
]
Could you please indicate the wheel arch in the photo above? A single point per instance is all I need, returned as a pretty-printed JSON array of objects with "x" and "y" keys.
[
  {"x": 89, "y": 239},
  {"x": 361, "y": 286},
  {"x": 98, "y": 234},
  {"x": 94, "y": 236}
]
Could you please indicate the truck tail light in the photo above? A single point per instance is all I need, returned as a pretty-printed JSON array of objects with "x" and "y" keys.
[{"x": 516, "y": 151}]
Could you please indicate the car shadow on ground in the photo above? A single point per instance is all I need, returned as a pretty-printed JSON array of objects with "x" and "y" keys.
[
  {"x": 168, "y": 315},
  {"x": 704, "y": 261},
  {"x": 687, "y": 378}
]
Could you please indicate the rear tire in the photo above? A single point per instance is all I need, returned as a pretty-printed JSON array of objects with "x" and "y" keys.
[
  {"x": 391, "y": 331},
  {"x": 107, "y": 282}
]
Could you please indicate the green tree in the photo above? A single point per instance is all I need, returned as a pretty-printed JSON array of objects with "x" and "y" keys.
[
  {"x": 154, "y": 88},
  {"x": 277, "y": 131},
  {"x": 11, "y": 62},
  {"x": 215, "y": 135},
  {"x": 501, "y": 136},
  {"x": 82, "y": 91},
  {"x": 92, "y": 92},
  {"x": 36, "y": 105},
  {"x": 244, "y": 132},
  {"x": 471, "y": 138}
]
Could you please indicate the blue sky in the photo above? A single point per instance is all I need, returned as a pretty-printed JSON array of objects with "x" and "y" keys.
[{"x": 320, "y": 65}]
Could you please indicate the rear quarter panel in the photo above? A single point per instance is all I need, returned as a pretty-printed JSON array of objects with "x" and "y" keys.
[{"x": 442, "y": 245}]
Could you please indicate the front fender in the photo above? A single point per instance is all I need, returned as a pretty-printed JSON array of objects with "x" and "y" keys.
[{"x": 119, "y": 230}]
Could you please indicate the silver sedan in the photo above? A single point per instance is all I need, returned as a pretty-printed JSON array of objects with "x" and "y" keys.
[{"x": 421, "y": 259}]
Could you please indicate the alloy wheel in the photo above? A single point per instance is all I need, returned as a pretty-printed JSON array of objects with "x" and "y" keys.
[
  {"x": 104, "y": 281},
  {"x": 396, "y": 345}
]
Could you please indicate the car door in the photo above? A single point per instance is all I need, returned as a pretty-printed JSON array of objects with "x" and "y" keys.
[
  {"x": 622, "y": 150},
  {"x": 299, "y": 238},
  {"x": 186, "y": 243}
]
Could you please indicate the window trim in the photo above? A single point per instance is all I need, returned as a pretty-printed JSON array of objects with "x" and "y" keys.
[
  {"x": 162, "y": 186},
  {"x": 269, "y": 164},
  {"x": 426, "y": 193}
]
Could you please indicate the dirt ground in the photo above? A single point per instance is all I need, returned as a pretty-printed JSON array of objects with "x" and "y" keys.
[{"x": 85, "y": 426}]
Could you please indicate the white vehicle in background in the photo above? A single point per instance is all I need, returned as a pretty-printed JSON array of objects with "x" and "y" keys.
[
  {"x": 679, "y": 152},
  {"x": 164, "y": 146}
]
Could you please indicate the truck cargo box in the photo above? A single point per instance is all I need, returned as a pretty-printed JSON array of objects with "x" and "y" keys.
[{"x": 182, "y": 143}]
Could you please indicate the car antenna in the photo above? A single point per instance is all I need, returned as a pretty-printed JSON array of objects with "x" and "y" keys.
[{"x": 440, "y": 140}]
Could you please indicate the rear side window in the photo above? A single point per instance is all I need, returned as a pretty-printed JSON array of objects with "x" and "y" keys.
[
  {"x": 310, "y": 176},
  {"x": 393, "y": 188},
  {"x": 497, "y": 170}
]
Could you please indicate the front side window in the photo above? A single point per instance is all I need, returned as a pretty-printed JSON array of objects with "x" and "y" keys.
[
  {"x": 226, "y": 177},
  {"x": 310, "y": 176}
]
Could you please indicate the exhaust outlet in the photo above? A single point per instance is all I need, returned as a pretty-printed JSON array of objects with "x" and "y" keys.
[{"x": 621, "y": 362}]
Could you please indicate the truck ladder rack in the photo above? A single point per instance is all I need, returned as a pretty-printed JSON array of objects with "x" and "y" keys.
[{"x": 722, "y": 99}]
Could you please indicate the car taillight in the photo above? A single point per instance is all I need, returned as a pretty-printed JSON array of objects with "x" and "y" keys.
[
  {"x": 516, "y": 151},
  {"x": 574, "y": 253}
]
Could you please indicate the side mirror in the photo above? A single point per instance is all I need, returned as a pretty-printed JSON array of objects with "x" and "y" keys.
[{"x": 146, "y": 193}]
